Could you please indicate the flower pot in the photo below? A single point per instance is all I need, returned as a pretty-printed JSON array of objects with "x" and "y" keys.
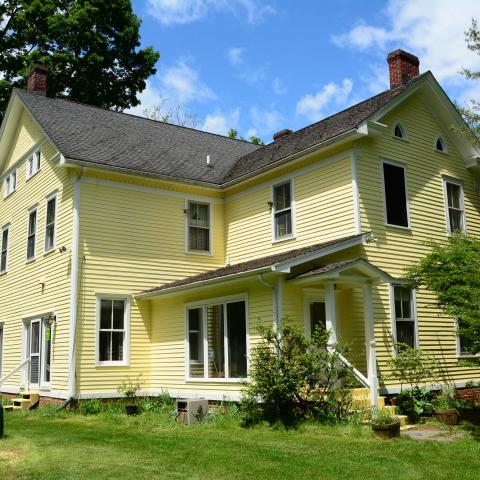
[
  {"x": 131, "y": 409},
  {"x": 448, "y": 416},
  {"x": 390, "y": 430}
]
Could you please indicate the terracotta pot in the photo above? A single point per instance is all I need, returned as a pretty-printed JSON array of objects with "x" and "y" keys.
[
  {"x": 390, "y": 430},
  {"x": 448, "y": 416},
  {"x": 131, "y": 410}
]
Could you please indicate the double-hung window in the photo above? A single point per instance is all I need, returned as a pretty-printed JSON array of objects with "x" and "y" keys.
[
  {"x": 217, "y": 340},
  {"x": 31, "y": 234},
  {"x": 33, "y": 164},
  {"x": 4, "y": 249},
  {"x": 198, "y": 227},
  {"x": 50, "y": 223},
  {"x": 405, "y": 319},
  {"x": 112, "y": 332},
  {"x": 396, "y": 199},
  {"x": 282, "y": 211},
  {"x": 10, "y": 184},
  {"x": 455, "y": 211}
]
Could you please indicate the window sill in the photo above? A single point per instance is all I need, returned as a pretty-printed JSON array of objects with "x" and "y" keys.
[
  {"x": 390, "y": 225},
  {"x": 30, "y": 260},
  {"x": 112, "y": 364},
  {"x": 48, "y": 252},
  {"x": 31, "y": 176},
  {"x": 9, "y": 195},
  {"x": 3, "y": 273},
  {"x": 198, "y": 252},
  {"x": 440, "y": 151},
  {"x": 283, "y": 239},
  {"x": 215, "y": 380}
]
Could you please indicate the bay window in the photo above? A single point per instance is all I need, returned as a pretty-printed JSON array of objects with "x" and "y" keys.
[{"x": 217, "y": 340}]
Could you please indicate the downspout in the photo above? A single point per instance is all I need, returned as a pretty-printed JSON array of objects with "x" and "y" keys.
[{"x": 74, "y": 287}]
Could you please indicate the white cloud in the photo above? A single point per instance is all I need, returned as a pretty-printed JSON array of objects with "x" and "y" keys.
[
  {"x": 235, "y": 56},
  {"x": 264, "y": 122},
  {"x": 278, "y": 87},
  {"x": 221, "y": 123},
  {"x": 431, "y": 29},
  {"x": 183, "y": 83},
  {"x": 149, "y": 98},
  {"x": 171, "y": 12},
  {"x": 313, "y": 105}
]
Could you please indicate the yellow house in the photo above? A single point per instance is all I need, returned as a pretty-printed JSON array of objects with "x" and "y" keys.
[{"x": 133, "y": 247}]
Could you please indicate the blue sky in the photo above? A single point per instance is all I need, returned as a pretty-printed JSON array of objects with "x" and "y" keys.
[{"x": 261, "y": 66}]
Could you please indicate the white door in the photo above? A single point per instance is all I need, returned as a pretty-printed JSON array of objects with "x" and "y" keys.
[{"x": 39, "y": 352}]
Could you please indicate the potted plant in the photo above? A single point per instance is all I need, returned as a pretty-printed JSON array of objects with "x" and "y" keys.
[
  {"x": 385, "y": 425},
  {"x": 129, "y": 389},
  {"x": 445, "y": 406}
]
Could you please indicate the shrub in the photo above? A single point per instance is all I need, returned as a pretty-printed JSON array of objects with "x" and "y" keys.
[
  {"x": 295, "y": 378},
  {"x": 129, "y": 389},
  {"x": 415, "y": 403}
]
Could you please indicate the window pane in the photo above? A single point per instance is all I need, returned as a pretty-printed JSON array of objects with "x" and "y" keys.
[
  {"x": 199, "y": 239},
  {"x": 216, "y": 350},
  {"x": 406, "y": 333},
  {"x": 283, "y": 224},
  {"x": 237, "y": 340},
  {"x": 199, "y": 215},
  {"x": 118, "y": 314},
  {"x": 195, "y": 342},
  {"x": 281, "y": 194},
  {"x": 51, "y": 211},
  {"x": 32, "y": 222},
  {"x": 403, "y": 302},
  {"x": 318, "y": 318},
  {"x": 105, "y": 314},
  {"x": 3, "y": 262},
  {"x": 395, "y": 195},
  {"x": 47, "y": 353},
  {"x": 49, "y": 237},
  {"x": 31, "y": 247},
  {"x": 35, "y": 339},
  {"x": 117, "y": 345},
  {"x": 456, "y": 220},
  {"x": 398, "y": 131},
  {"x": 5, "y": 240},
  {"x": 104, "y": 346},
  {"x": 453, "y": 194}
]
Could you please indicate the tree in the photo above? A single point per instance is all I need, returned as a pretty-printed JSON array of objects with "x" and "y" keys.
[
  {"x": 232, "y": 133},
  {"x": 452, "y": 273},
  {"x": 175, "y": 114},
  {"x": 91, "y": 48},
  {"x": 471, "y": 111}
]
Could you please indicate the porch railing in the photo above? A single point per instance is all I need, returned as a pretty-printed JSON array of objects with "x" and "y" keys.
[
  {"x": 15, "y": 370},
  {"x": 358, "y": 375}
]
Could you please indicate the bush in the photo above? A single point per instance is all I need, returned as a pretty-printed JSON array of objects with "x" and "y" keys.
[
  {"x": 415, "y": 403},
  {"x": 295, "y": 378}
]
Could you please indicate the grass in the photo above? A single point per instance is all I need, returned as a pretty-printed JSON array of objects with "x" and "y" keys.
[{"x": 45, "y": 444}]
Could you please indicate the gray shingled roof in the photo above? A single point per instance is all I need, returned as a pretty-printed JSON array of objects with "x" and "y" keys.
[
  {"x": 251, "y": 265},
  {"x": 106, "y": 138},
  {"x": 138, "y": 145}
]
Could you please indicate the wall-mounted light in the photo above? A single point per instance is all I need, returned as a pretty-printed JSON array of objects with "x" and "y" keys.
[
  {"x": 51, "y": 319},
  {"x": 270, "y": 205},
  {"x": 62, "y": 249},
  {"x": 186, "y": 211}
]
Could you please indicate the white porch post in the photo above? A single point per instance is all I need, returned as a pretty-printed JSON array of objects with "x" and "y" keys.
[
  {"x": 331, "y": 312},
  {"x": 370, "y": 343}
]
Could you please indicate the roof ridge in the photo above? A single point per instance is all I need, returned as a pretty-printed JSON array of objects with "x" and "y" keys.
[{"x": 104, "y": 109}]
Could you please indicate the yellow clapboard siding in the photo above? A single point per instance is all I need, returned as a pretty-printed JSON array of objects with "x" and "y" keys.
[{"x": 21, "y": 291}]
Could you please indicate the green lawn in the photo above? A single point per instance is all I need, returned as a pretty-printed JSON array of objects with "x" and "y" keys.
[{"x": 150, "y": 446}]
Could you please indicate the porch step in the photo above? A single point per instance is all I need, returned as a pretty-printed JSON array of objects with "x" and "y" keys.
[
  {"x": 27, "y": 401},
  {"x": 364, "y": 403},
  {"x": 11, "y": 408},
  {"x": 403, "y": 420}
]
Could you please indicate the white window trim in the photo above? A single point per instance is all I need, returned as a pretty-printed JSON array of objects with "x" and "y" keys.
[
  {"x": 203, "y": 304},
  {"x": 393, "y": 317},
  {"x": 292, "y": 235},
  {"x": 444, "y": 143},
  {"x": 310, "y": 295},
  {"x": 47, "y": 199},
  {"x": 461, "y": 355},
  {"x": 7, "y": 193},
  {"x": 405, "y": 176},
  {"x": 187, "y": 231},
  {"x": 126, "y": 342},
  {"x": 404, "y": 131},
  {"x": 454, "y": 181},
  {"x": 30, "y": 211},
  {"x": 9, "y": 242},
  {"x": 29, "y": 175}
]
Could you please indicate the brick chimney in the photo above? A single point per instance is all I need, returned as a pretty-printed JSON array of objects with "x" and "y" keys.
[
  {"x": 402, "y": 66},
  {"x": 37, "y": 79},
  {"x": 281, "y": 133}
]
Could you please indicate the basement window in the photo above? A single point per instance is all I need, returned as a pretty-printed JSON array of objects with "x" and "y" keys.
[
  {"x": 282, "y": 211},
  {"x": 395, "y": 192},
  {"x": 112, "y": 332},
  {"x": 217, "y": 340},
  {"x": 198, "y": 217},
  {"x": 405, "y": 324},
  {"x": 455, "y": 210}
]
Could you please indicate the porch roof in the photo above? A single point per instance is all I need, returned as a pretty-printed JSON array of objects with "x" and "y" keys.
[{"x": 280, "y": 262}]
